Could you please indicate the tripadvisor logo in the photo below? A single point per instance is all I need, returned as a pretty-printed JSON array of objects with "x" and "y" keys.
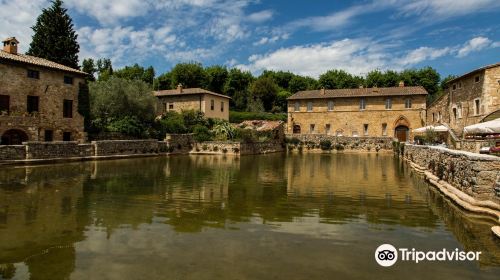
[{"x": 387, "y": 255}]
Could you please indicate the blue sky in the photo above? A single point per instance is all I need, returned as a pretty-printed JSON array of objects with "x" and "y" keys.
[{"x": 305, "y": 37}]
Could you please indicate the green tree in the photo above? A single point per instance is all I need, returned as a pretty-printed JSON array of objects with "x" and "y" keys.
[
  {"x": 54, "y": 37},
  {"x": 236, "y": 87},
  {"x": 163, "y": 82},
  {"x": 116, "y": 98},
  {"x": 281, "y": 100},
  {"x": 297, "y": 83},
  {"x": 136, "y": 72},
  {"x": 190, "y": 75},
  {"x": 216, "y": 78},
  {"x": 104, "y": 69},
  {"x": 281, "y": 78},
  {"x": 84, "y": 104},
  {"x": 335, "y": 79},
  {"x": 264, "y": 89},
  {"x": 89, "y": 67}
]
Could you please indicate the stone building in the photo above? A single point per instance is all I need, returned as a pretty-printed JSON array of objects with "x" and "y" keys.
[
  {"x": 213, "y": 105},
  {"x": 38, "y": 98},
  {"x": 369, "y": 112},
  {"x": 469, "y": 99}
]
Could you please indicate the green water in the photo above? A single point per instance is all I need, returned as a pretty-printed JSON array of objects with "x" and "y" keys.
[{"x": 257, "y": 217}]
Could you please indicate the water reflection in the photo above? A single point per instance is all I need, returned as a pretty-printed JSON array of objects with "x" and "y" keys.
[{"x": 187, "y": 215}]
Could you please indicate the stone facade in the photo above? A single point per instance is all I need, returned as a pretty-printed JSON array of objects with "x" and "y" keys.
[
  {"x": 237, "y": 148},
  {"x": 32, "y": 101},
  {"x": 473, "y": 174},
  {"x": 312, "y": 142},
  {"x": 343, "y": 115},
  {"x": 213, "y": 105},
  {"x": 12, "y": 152},
  {"x": 467, "y": 100}
]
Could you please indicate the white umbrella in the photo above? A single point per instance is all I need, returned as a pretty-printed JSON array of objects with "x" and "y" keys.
[
  {"x": 439, "y": 128},
  {"x": 484, "y": 128}
]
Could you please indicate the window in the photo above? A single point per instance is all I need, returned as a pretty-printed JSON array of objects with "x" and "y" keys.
[
  {"x": 339, "y": 133},
  {"x": 311, "y": 128},
  {"x": 327, "y": 128},
  {"x": 32, "y": 104},
  {"x": 454, "y": 113},
  {"x": 309, "y": 106},
  {"x": 362, "y": 104},
  {"x": 407, "y": 103},
  {"x": 460, "y": 85},
  {"x": 330, "y": 105},
  {"x": 33, "y": 74},
  {"x": 477, "y": 106},
  {"x": 4, "y": 104},
  {"x": 433, "y": 117},
  {"x": 297, "y": 106},
  {"x": 388, "y": 103},
  {"x": 439, "y": 117},
  {"x": 67, "y": 108},
  {"x": 212, "y": 105},
  {"x": 355, "y": 133},
  {"x": 171, "y": 106},
  {"x": 384, "y": 129},
  {"x": 68, "y": 80},
  {"x": 476, "y": 79},
  {"x": 365, "y": 129},
  {"x": 454, "y": 86},
  {"x": 459, "y": 111},
  {"x": 49, "y": 135},
  {"x": 66, "y": 136},
  {"x": 222, "y": 106}
]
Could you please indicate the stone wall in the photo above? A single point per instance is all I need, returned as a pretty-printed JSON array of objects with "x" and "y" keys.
[
  {"x": 474, "y": 174},
  {"x": 16, "y": 152},
  {"x": 237, "y": 148},
  {"x": 475, "y": 145},
  {"x": 312, "y": 142},
  {"x": 48, "y": 150},
  {"x": 125, "y": 147},
  {"x": 179, "y": 143}
]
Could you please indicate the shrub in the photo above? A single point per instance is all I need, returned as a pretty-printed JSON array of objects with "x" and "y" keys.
[
  {"x": 325, "y": 145},
  {"x": 204, "y": 147},
  {"x": 216, "y": 149},
  {"x": 339, "y": 147},
  {"x": 202, "y": 133},
  {"x": 246, "y": 135},
  {"x": 294, "y": 140},
  {"x": 223, "y": 131},
  {"x": 236, "y": 150},
  {"x": 224, "y": 150},
  {"x": 127, "y": 125}
]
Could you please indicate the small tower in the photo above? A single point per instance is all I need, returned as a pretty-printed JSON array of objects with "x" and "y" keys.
[
  {"x": 10, "y": 45},
  {"x": 179, "y": 88}
]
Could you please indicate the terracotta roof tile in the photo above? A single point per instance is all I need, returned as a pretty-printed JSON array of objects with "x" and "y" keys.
[
  {"x": 187, "y": 91},
  {"x": 358, "y": 92},
  {"x": 473, "y": 72},
  {"x": 32, "y": 60}
]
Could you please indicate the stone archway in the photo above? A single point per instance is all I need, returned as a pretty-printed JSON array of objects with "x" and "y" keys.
[
  {"x": 14, "y": 137},
  {"x": 402, "y": 129}
]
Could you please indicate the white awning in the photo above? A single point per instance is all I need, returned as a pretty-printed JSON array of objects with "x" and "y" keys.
[
  {"x": 484, "y": 128},
  {"x": 439, "y": 128}
]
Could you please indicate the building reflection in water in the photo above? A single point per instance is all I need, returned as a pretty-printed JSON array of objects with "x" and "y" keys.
[{"x": 48, "y": 212}]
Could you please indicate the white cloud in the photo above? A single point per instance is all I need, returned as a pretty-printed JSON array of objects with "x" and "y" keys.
[
  {"x": 440, "y": 9},
  {"x": 424, "y": 54},
  {"x": 356, "y": 56},
  {"x": 271, "y": 39},
  {"x": 260, "y": 16},
  {"x": 473, "y": 45}
]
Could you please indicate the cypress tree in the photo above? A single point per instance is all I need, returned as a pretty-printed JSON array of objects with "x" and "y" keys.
[{"x": 54, "y": 37}]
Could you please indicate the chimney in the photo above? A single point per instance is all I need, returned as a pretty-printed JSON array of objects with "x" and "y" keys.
[
  {"x": 322, "y": 91},
  {"x": 402, "y": 84},
  {"x": 10, "y": 45},
  {"x": 179, "y": 88}
]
